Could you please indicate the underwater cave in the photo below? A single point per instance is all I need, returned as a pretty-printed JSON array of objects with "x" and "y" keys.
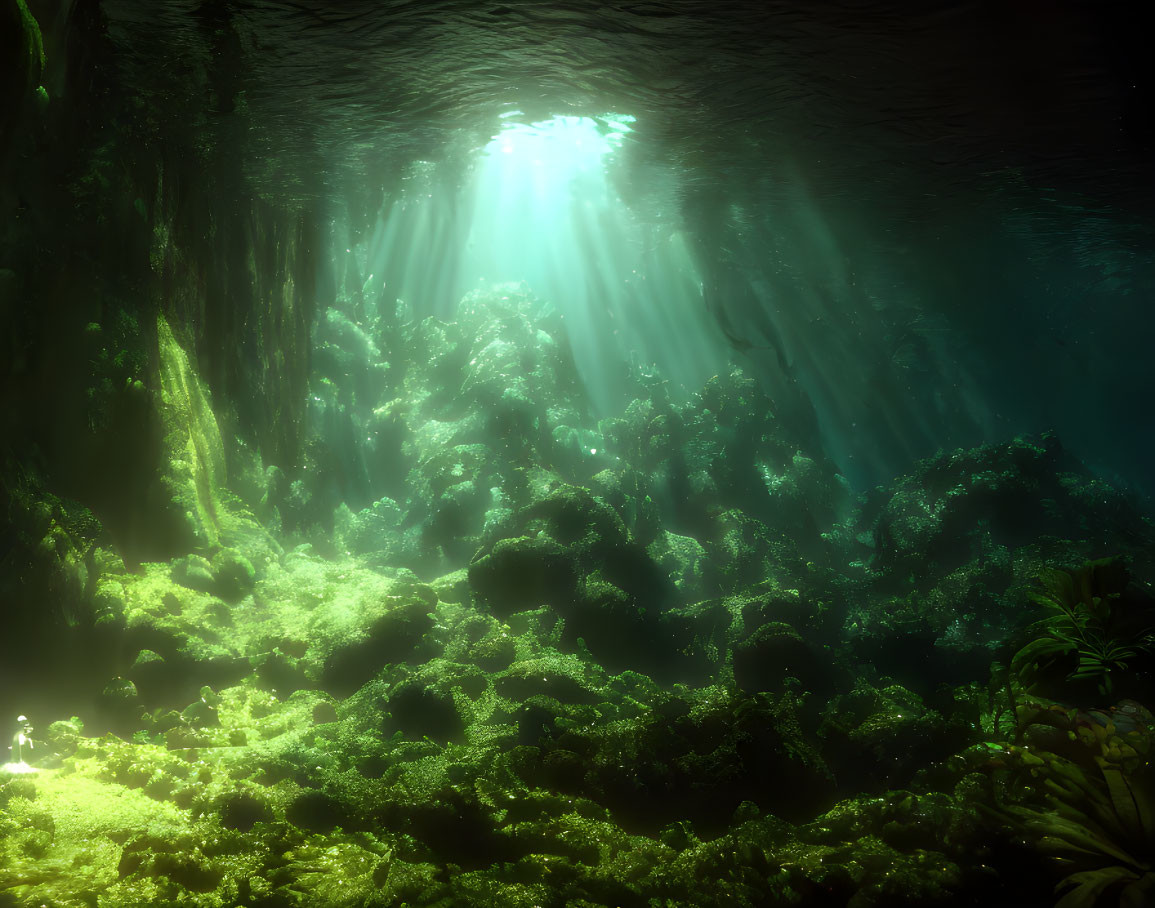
[{"x": 577, "y": 455}]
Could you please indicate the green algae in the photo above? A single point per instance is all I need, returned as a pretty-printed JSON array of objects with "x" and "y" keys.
[
  {"x": 196, "y": 470},
  {"x": 578, "y": 690}
]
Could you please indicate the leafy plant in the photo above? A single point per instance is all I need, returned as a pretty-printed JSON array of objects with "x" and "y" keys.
[
  {"x": 1097, "y": 817},
  {"x": 1092, "y": 626}
]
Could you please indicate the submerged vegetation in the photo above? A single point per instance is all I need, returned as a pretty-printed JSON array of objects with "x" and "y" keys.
[
  {"x": 484, "y": 649},
  {"x": 309, "y": 600},
  {"x": 1091, "y": 622},
  {"x": 1086, "y": 799}
]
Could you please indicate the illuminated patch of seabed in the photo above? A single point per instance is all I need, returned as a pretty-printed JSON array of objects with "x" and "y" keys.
[
  {"x": 538, "y": 206},
  {"x": 88, "y": 816}
]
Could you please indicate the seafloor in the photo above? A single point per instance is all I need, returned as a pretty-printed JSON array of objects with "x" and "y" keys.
[{"x": 661, "y": 659}]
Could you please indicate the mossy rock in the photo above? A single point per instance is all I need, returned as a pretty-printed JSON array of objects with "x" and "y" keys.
[
  {"x": 193, "y": 572},
  {"x": 233, "y": 575},
  {"x": 419, "y": 712},
  {"x": 196, "y": 468},
  {"x": 22, "y": 58},
  {"x": 771, "y": 653},
  {"x": 523, "y": 573}
]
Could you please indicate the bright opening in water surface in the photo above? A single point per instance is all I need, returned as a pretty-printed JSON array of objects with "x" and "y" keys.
[{"x": 538, "y": 205}]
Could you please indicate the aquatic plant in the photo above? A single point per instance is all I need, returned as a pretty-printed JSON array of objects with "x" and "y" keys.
[
  {"x": 1091, "y": 624},
  {"x": 1094, "y": 815}
]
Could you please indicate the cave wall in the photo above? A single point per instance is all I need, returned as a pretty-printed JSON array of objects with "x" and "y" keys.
[
  {"x": 114, "y": 211},
  {"x": 149, "y": 300}
]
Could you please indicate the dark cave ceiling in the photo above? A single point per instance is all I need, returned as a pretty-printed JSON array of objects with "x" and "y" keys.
[
  {"x": 886, "y": 103},
  {"x": 857, "y": 179}
]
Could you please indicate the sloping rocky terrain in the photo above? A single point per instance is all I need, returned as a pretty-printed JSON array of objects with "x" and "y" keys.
[{"x": 484, "y": 649}]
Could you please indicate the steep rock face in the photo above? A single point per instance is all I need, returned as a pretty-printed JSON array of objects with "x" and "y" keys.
[
  {"x": 140, "y": 279},
  {"x": 238, "y": 274},
  {"x": 21, "y": 61},
  {"x": 113, "y": 214},
  {"x": 194, "y": 476},
  {"x": 196, "y": 466}
]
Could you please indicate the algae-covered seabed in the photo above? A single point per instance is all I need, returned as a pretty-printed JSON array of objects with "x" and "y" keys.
[
  {"x": 661, "y": 659},
  {"x": 474, "y": 646}
]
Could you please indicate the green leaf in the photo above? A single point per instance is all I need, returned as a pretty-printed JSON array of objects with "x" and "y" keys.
[
  {"x": 1071, "y": 837},
  {"x": 1123, "y": 800},
  {"x": 1089, "y": 885},
  {"x": 1138, "y": 894},
  {"x": 1143, "y": 787},
  {"x": 1044, "y": 599},
  {"x": 1040, "y": 648}
]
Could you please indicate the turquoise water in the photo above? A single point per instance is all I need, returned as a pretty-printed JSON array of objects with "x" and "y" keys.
[{"x": 667, "y": 454}]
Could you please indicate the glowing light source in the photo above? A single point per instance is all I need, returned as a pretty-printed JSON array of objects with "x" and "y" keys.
[
  {"x": 564, "y": 144},
  {"x": 540, "y": 204}
]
